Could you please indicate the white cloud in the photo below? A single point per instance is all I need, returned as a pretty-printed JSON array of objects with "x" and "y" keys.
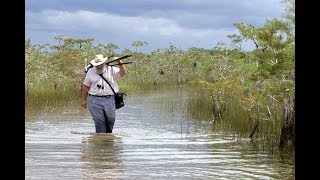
[
  {"x": 158, "y": 31},
  {"x": 103, "y": 22}
]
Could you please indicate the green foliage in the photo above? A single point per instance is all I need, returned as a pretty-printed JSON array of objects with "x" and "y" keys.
[
  {"x": 137, "y": 44},
  {"x": 290, "y": 11},
  {"x": 274, "y": 53},
  {"x": 109, "y": 48}
]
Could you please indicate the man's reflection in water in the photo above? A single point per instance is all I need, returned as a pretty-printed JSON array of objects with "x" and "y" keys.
[{"x": 101, "y": 156}]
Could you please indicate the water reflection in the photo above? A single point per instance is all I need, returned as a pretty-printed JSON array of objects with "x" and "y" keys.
[{"x": 101, "y": 156}]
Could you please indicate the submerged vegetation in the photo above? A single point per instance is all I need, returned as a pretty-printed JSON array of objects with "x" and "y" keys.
[{"x": 250, "y": 93}]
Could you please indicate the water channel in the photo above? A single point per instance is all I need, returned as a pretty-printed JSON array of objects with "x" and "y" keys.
[{"x": 153, "y": 138}]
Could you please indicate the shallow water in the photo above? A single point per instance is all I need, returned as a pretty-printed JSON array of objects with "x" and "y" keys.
[{"x": 152, "y": 139}]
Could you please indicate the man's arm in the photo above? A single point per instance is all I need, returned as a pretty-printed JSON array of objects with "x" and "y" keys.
[
  {"x": 84, "y": 95},
  {"x": 123, "y": 69}
]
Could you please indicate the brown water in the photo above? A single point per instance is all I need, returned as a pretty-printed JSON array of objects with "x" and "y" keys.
[{"x": 152, "y": 139}]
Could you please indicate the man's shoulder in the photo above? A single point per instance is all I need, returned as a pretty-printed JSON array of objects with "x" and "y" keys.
[{"x": 90, "y": 71}]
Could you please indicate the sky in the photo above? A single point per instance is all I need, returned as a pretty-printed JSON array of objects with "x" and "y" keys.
[{"x": 159, "y": 23}]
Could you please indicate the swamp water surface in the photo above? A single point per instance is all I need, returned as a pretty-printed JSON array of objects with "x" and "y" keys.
[{"x": 152, "y": 139}]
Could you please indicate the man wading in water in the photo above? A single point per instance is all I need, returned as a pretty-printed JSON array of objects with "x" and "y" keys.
[{"x": 101, "y": 101}]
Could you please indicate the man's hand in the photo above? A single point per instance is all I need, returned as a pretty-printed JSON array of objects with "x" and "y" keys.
[
  {"x": 84, "y": 104},
  {"x": 122, "y": 68}
]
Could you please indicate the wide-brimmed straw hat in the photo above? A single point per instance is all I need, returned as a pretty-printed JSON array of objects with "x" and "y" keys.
[{"x": 98, "y": 60}]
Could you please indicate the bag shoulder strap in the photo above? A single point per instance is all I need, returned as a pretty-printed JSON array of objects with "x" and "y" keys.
[{"x": 108, "y": 84}]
